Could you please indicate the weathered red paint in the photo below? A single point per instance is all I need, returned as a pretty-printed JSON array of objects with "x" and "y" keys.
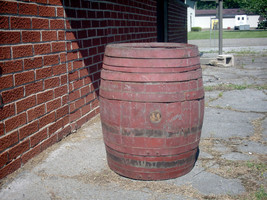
[{"x": 152, "y": 107}]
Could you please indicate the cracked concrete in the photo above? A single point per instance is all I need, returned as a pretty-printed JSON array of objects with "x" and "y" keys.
[{"x": 231, "y": 165}]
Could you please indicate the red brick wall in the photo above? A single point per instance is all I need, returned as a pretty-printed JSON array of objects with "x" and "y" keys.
[
  {"x": 177, "y": 21},
  {"x": 50, "y": 59}
]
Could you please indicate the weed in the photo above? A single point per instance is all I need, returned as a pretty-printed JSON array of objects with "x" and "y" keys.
[
  {"x": 261, "y": 194},
  {"x": 230, "y": 86},
  {"x": 257, "y": 166},
  {"x": 220, "y": 94}
]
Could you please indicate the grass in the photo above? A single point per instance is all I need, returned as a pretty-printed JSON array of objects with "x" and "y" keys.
[
  {"x": 261, "y": 194},
  {"x": 228, "y": 34},
  {"x": 229, "y": 86}
]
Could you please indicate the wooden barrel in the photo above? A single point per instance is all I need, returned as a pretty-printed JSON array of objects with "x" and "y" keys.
[{"x": 151, "y": 108}]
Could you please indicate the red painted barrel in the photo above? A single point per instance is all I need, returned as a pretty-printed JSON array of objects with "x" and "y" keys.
[{"x": 151, "y": 108}]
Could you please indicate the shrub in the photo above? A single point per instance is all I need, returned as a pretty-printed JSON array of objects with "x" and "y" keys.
[{"x": 196, "y": 29}]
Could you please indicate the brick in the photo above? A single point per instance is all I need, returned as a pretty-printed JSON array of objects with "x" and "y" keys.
[
  {"x": 65, "y": 120},
  {"x": 40, "y": 23},
  {"x": 63, "y": 79},
  {"x": 4, "y": 22},
  {"x": 81, "y": 121},
  {"x": 41, "y": 1},
  {"x": 7, "y": 111},
  {"x": 64, "y": 132},
  {"x": 61, "y": 35},
  {"x": 76, "y": 115},
  {"x": 31, "y": 36},
  {"x": 61, "y": 91},
  {"x": 20, "y": 23},
  {"x": 8, "y": 140},
  {"x": 19, "y": 149},
  {"x": 51, "y": 60},
  {"x": 59, "y": 69},
  {"x": 43, "y": 73},
  {"x": 22, "y": 51},
  {"x": 11, "y": 66},
  {"x": 15, "y": 122},
  {"x": 5, "y": 53},
  {"x": 49, "y": 142},
  {"x": 58, "y": 46},
  {"x": 55, "y": 2},
  {"x": 3, "y": 159},
  {"x": 11, "y": 167},
  {"x": 57, "y": 24},
  {"x": 33, "y": 88},
  {"x": 95, "y": 104},
  {"x": 46, "y": 11},
  {"x": 63, "y": 57},
  {"x": 54, "y": 127},
  {"x": 27, "y": 9},
  {"x": 12, "y": 95},
  {"x": 36, "y": 112},
  {"x": 53, "y": 105},
  {"x": 32, "y": 63},
  {"x": 75, "y": 46},
  {"x": 60, "y": 12},
  {"x": 78, "y": 84},
  {"x": 47, "y": 119},
  {"x": 79, "y": 103},
  {"x": 70, "y": 36},
  {"x": 30, "y": 154},
  {"x": 72, "y": 56},
  {"x": 45, "y": 96},
  {"x": 61, "y": 112},
  {"x": 70, "y": 12},
  {"x": 74, "y": 95},
  {"x": 24, "y": 77},
  {"x": 83, "y": 73},
  {"x": 6, "y": 81},
  {"x": 9, "y": 37},
  {"x": 51, "y": 82},
  {"x": 90, "y": 97},
  {"x": 49, "y": 35},
  {"x": 38, "y": 137},
  {"x": 8, "y": 7},
  {"x": 86, "y": 109},
  {"x": 26, "y": 103},
  {"x": 2, "y": 129},
  {"x": 28, "y": 130},
  {"x": 40, "y": 49}
]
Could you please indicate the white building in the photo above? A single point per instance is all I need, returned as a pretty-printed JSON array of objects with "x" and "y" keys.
[{"x": 203, "y": 18}]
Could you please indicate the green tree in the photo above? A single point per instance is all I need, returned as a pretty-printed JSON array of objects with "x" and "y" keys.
[
  {"x": 212, "y": 4},
  {"x": 254, "y": 6},
  {"x": 251, "y": 6}
]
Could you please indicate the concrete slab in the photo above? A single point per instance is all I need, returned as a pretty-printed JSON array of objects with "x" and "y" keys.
[
  {"x": 221, "y": 148},
  {"x": 203, "y": 154},
  {"x": 235, "y": 156},
  {"x": 253, "y": 147},
  {"x": 208, "y": 183},
  {"x": 243, "y": 100},
  {"x": 77, "y": 155},
  {"x": 220, "y": 123},
  {"x": 264, "y": 132}
]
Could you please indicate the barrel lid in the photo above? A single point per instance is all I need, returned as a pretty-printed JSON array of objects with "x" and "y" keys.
[{"x": 151, "y": 50}]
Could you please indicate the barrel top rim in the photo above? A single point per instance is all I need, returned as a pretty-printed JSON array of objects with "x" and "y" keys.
[{"x": 152, "y": 45}]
